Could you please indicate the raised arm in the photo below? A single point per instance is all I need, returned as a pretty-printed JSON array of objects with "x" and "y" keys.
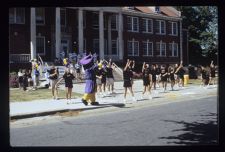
[
  {"x": 127, "y": 65},
  {"x": 143, "y": 67},
  {"x": 211, "y": 64},
  {"x": 133, "y": 64}
]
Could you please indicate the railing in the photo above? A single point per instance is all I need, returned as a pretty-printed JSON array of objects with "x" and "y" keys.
[{"x": 19, "y": 58}]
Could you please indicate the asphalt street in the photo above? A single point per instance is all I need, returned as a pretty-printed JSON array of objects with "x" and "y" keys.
[{"x": 180, "y": 123}]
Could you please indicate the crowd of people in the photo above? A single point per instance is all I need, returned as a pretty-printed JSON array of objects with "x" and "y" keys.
[{"x": 151, "y": 75}]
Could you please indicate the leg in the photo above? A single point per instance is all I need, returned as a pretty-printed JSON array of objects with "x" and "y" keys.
[{"x": 67, "y": 92}]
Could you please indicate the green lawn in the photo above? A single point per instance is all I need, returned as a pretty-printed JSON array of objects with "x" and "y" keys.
[{"x": 42, "y": 93}]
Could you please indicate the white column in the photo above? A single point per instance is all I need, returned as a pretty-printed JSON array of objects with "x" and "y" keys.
[
  {"x": 120, "y": 36},
  {"x": 181, "y": 42},
  {"x": 80, "y": 31},
  {"x": 109, "y": 36},
  {"x": 32, "y": 33},
  {"x": 101, "y": 35},
  {"x": 57, "y": 32}
]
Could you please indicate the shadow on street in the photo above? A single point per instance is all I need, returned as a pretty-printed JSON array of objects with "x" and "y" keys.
[{"x": 196, "y": 133}]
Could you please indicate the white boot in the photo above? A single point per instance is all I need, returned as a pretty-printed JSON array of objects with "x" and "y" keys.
[{"x": 134, "y": 99}]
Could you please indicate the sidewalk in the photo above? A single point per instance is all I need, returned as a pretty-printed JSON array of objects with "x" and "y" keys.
[{"x": 19, "y": 110}]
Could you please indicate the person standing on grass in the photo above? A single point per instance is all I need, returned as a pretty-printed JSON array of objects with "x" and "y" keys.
[
  {"x": 20, "y": 78},
  {"x": 127, "y": 81},
  {"x": 53, "y": 76},
  {"x": 68, "y": 77},
  {"x": 212, "y": 73},
  {"x": 164, "y": 76},
  {"x": 29, "y": 78},
  {"x": 25, "y": 81},
  {"x": 147, "y": 77}
]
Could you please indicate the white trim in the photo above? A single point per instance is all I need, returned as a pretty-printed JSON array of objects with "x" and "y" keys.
[
  {"x": 171, "y": 30},
  {"x": 160, "y": 30},
  {"x": 132, "y": 24},
  {"x": 160, "y": 48},
  {"x": 148, "y": 42},
  {"x": 173, "y": 49},
  {"x": 37, "y": 45},
  {"x": 147, "y": 19},
  {"x": 133, "y": 41}
]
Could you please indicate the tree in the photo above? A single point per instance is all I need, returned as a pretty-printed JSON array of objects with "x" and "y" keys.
[{"x": 201, "y": 22}]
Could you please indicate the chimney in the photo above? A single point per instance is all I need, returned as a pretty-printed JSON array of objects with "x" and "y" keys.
[{"x": 157, "y": 9}]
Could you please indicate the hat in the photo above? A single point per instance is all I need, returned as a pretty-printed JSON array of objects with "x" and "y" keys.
[{"x": 86, "y": 60}]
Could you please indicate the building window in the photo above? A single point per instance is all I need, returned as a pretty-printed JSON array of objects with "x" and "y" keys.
[
  {"x": 147, "y": 48},
  {"x": 147, "y": 25},
  {"x": 95, "y": 20},
  {"x": 96, "y": 45},
  {"x": 40, "y": 40},
  {"x": 114, "y": 21},
  {"x": 63, "y": 16},
  {"x": 160, "y": 27},
  {"x": 16, "y": 15},
  {"x": 173, "y": 48},
  {"x": 114, "y": 47},
  {"x": 174, "y": 29},
  {"x": 133, "y": 48},
  {"x": 40, "y": 16},
  {"x": 133, "y": 24},
  {"x": 105, "y": 47},
  {"x": 161, "y": 48}
]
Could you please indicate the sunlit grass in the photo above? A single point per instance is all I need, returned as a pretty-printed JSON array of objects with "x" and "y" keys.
[{"x": 43, "y": 93}]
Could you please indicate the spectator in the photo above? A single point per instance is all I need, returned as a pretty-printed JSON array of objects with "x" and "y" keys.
[
  {"x": 53, "y": 76},
  {"x": 20, "y": 76}
]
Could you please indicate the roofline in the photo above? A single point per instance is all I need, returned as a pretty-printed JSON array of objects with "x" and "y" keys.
[
  {"x": 132, "y": 12},
  {"x": 125, "y": 11}
]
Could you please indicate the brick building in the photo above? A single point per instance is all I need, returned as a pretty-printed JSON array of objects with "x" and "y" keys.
[{"x": 152, "y": 34}]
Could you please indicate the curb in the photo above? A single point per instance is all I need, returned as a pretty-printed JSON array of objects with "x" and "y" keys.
[{"x": 45, "y": 113}]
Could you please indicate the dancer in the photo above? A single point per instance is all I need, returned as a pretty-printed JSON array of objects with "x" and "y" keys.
[
  {"x": 164, "y": 76},
  {"x": 99, "y": 76},
  {"x": 153, "y": 73},
  {"x": 158, "y": 71},
  {"x": 110, "y": 77},
  {"x": 68, "y": 76},
  {"x": 180, "y": 73},
  {"x": 90, "y": 80},
  {"x": 147, "y": 77},
  {"x": 203, "y": 77},
  {"x": 104, "y": 71},
  {"x": 127, "y": 81},
  {"x": 171, "y": 76}
]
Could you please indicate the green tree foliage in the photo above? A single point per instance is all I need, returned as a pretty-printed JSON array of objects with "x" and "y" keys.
[{"x": 202, "y": 25}]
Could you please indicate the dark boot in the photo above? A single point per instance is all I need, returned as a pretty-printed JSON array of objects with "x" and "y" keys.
[
  {"x": 84, "y": 102},
  {"x": 94, "y": 103}
]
